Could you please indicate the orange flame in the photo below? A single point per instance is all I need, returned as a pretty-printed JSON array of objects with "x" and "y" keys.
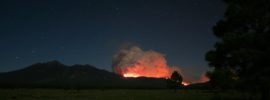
[
  {"x": 140, "y": 70},
  {"x": 134, "y": 62},
  {"x": 131, "y": 75},
  {"x": 185, "y": 83}
]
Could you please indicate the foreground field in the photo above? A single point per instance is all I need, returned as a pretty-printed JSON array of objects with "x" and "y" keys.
[{"x": 120, "y": 94}]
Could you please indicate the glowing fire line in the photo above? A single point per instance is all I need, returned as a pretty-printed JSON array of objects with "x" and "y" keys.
[
  {"x": 135, "y": 62},
  {"x": 185, "y": 83},
  {"x": 131, "y": 75}
]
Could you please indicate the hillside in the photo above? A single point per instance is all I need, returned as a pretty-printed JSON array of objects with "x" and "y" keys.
[{"x": 54, "y": 74}]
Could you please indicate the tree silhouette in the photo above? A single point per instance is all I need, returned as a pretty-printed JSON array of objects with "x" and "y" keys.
[
  {"x": 245, "y": 43},
  {"x": 175, "y": 81},
  {"x": 222, "y": 78},
  {"x": 176, "y": 77}
]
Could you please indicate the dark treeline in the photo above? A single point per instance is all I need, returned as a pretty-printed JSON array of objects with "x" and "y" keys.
[{"x": 241, "y": 59}]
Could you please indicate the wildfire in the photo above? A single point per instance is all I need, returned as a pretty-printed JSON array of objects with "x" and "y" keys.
[
  {"x": 134, "y": 62},
  {"x": 131, "y": 75},
  {"x": 185, "y": 83}
]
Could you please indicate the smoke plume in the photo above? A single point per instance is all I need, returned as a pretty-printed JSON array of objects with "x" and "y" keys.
[{"x": 132, "y": 61}]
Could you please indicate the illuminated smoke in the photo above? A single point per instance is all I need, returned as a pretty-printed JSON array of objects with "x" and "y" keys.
[
  {"x": 134, "y": 62},
  {"x": 203, "y": 78}
]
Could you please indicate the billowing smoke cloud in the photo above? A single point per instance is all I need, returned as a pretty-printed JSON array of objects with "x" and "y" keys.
[{"x": 132, "y": 61}]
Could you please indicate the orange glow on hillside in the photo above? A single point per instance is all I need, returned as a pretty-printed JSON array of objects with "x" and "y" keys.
[
  {"x": 134, "y": 62},
  {"x": 142, "y": 71},
  {"x": 134, "y": 75},
  {"x": 131, "y": 75},
  {"x": 185, "y": 83}
]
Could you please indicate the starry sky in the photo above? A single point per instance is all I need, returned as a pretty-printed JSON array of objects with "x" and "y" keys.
[{"x": 91, "y": 31}]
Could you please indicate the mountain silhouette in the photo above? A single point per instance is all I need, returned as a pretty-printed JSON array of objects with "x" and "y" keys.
[{"x": 54, "y": 74}]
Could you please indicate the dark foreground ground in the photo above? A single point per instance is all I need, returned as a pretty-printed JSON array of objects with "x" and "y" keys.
[{"x": 117, "y": 94}]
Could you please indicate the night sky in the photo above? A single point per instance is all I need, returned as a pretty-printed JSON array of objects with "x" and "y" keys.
[{"x": 91, "y": 31}]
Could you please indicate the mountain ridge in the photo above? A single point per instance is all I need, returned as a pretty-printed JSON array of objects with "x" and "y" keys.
[{"x": 54, "y": 74}]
